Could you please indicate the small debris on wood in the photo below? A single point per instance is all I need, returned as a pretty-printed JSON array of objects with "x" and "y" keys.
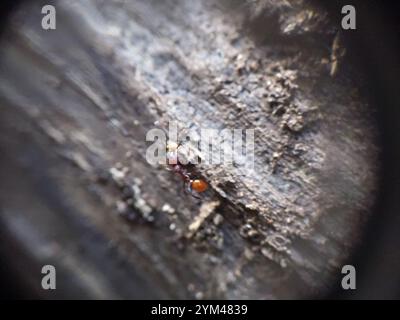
[{"x": 206, "y": 209}]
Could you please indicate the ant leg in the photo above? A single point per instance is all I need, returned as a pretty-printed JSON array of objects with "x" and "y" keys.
[{"x": 185, "y": 187}]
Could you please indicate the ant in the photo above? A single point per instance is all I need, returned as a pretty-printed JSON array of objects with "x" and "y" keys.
[{"x": 185, "y": 171}]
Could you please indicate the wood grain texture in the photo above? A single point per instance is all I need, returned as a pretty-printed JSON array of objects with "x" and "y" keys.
[{"x": 85, "y": 95}]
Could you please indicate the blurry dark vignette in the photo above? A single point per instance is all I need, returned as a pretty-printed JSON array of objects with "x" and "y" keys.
[
  {"x": 10, "y": 286},
  {"x": 378, "y": 258}
]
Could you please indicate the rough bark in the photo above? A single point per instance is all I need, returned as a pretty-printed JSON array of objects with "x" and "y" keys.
[{"x": 77, "y": 191}]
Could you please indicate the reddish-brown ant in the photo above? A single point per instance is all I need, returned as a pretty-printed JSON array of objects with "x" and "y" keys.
[{"x": 185, "y": 171}]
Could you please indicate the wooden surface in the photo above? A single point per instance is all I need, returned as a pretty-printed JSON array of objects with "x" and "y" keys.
[{"x": 77, "y": 191}]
